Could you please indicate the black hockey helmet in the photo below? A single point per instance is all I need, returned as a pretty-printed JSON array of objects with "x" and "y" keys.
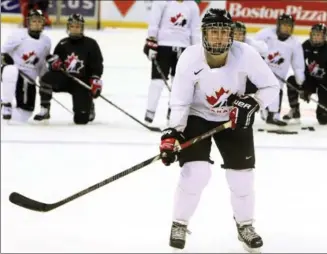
[
  {"x": 284, "y": 19},
  {"x": 239, "y": 30},
  {"x": 315, "y": 30},
  {"x": 75, "y": 18},
  {"x": 35, "y": 30},
  {"x": 217, "y": 31}
]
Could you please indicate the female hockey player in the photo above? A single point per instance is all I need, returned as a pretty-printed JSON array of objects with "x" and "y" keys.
[
  {"x": 174, "y": 25},
  {"x": 23, "y": 58},
  {"x": 284, "y": 51},
  {"x": 208, "y": 90},
  {"x": 81, "y": 57},
  {"x": 315, "y": 58}
]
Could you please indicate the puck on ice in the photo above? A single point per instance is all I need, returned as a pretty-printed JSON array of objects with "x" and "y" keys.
[{"x": 261, "y": 130}]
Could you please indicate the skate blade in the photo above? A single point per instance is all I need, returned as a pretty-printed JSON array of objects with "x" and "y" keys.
[
  {"x": 247, "y": 248},
  {"x": 293, "y": 121},
  {"x": 44, "y": 122},
  {"x": 251, "y": 250},
  {"x": 176, "y": 250}
]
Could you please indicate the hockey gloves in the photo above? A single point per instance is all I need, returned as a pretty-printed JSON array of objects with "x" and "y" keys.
[
  {"x": 54, "y": 63},
  {"x": 308, "y": 87},
  {"x": 6, "y": 59},
  {"x": 151, "y": 48},
  {"x": 169, "y": 139},
  {"x": 96, "y": 86},
  {"x": 243, "y": 111}
]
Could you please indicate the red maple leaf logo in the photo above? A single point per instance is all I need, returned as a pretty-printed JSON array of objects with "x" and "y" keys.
[
  {"x": 174, "y": 19},
  {"x": 272, "y": 56},
  {"x": 212, "y": 100},
  {"x": 70, "y": 59},
  {"x": 28, "y": 55},
  {"x": 312, "y": 66}
]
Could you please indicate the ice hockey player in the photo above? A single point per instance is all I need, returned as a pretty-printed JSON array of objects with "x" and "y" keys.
[
  {"x": 240, "y": 35},
  {"x": 284, "y": 51},
  {"x": 174, "y": 25},
  {"x": 27, "y": 5},
  {"x": 207, "y": 92},
  {"x": 315, "y": 55},
  {"x": 23, "y": 58},
  {"x": 81, "y": 57},
  {"x": 260, "y": 46}
]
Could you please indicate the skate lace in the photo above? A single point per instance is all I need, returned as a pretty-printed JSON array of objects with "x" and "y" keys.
[
  {"x": 248, "y": 233},
  {"x": 179, "y": 232}
]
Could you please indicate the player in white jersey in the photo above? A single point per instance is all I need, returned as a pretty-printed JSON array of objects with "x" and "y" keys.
[
  {"x": 284, "y": 51},
  {"x": 260, "y": 46},
  {"x": 174, "y": 25},
  {"x": 240, "y": 35},
  {"x": 208, "y": 90},
  {"x": 24, "y": 55}
]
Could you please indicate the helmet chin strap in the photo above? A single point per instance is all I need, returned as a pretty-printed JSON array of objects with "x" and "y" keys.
[{"x": 34, "y": 34}]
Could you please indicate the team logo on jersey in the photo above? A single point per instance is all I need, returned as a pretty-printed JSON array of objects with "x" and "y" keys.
[
  {"x": 314, "y": 69},
  {"x": 218, "y": 99},
  {"x": 30, "y": 58},
  {"x": 73, "y": 64},
  {"x": 178, "y": 20},
  {"x": 275, "y": 58}
]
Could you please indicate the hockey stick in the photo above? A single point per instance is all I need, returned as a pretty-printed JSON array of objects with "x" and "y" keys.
[
  {"x": 161, "y": 74},
  {"x": 34, "y": 205},
  {"x": 37, "y": 84},
  {"x": 322, "y": 87},
  {"x": 298, "y": 91},
  {"x": 113, "y": 104}
]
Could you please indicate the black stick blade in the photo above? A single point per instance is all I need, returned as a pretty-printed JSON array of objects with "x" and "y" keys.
[
  {"x": 156, "y": 129},
  {"x": 28, "y": 203}
]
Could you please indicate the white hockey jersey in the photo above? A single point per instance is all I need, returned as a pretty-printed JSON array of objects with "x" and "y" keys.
[
  {"x": 201, "y": 91},
  {"x": 283, "y": 54},
  {"x": 28, "y": 53},
  {"x": 175, "y": 23},
  {"x": 258, "y": 45}
]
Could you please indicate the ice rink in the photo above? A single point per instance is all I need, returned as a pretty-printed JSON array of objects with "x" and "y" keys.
[{"x": 133, "y": 214}]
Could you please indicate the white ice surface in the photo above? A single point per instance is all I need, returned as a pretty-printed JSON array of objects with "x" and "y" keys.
[{"x": 133, "y": 214}]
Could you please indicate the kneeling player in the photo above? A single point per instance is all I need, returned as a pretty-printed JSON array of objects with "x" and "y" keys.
[
  {"x": 23, "y": 59},
  {"x": 315, "y": 55},
  {"x": 81, "y": 57}
]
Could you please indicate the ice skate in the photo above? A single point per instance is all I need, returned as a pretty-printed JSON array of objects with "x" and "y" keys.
[
  {"x": 294, "y": 115},
  {"x": 6, "y": 111},
  {"x": 272, "y": 120},
  {"x": 43, "y": 115},
  {"x": 149, "y": 116},
  {"x": 252, "y": 242},
  {"x": 178, "y": 235}
]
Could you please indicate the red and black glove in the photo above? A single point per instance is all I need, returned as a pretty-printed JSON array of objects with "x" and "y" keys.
[
  {"x": 243, "y": 111},
  {"x": 54, "y": 63},
  {"x": 151, "y": 48},
  {"x": 96, "y": 86},
  {"x": 169, "y": 139}
]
